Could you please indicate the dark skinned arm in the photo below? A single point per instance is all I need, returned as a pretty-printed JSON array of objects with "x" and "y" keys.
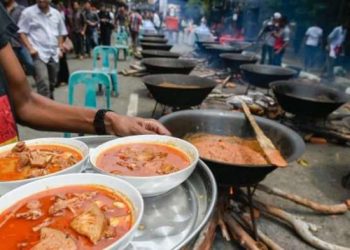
[{"x": 39, "y": 112}]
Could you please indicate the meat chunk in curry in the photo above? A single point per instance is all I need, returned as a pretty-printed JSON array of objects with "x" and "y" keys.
[
  {"x": 91, "y": 223},
  {"x": 53, "y": 239}
]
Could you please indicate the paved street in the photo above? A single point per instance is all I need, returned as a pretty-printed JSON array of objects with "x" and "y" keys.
[{"x": 319, "y": 181}]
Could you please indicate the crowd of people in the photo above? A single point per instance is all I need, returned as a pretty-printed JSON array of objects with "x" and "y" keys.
[
  {"x": 48, "y": 32},
  {"x": 41, "y": 32},
  {"x": 275, "y": 37}
]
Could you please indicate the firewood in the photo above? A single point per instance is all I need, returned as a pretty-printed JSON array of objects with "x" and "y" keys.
[
  {"x": 136, "y": 67},
  {"x": 239, "y": 233},
  {"x": 320, "y": 208},
  {"x": 262, "y": 237},
  {"x": 318, "y": 140},
  {"x": 225, "y": 81},
  {"x": 302, "y": 228},
  {"x": 222, "y": 224},
  {"x": 206, "y": 237}
]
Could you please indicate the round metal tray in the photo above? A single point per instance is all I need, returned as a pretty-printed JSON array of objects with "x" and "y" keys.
[{"x": 172, "y": 220}]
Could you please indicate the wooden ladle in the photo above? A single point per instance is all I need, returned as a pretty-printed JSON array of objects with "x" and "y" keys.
[{"x": 271, "y": 153}]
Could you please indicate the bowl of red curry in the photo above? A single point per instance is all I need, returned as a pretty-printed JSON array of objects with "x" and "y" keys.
[
  {"x": 154, "y": 164},
  {"x": 26, "y": 161},
  {"x": 70, "y": 212}
]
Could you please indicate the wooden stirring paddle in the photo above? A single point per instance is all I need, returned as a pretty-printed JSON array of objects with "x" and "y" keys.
[{"x": 272, "y": 154}]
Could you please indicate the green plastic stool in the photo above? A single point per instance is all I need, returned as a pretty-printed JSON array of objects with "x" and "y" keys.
[
  {"x": 121, "y": 39},
  {"x": 91, "y": 80},
  {"x": 104, "y": 52}
]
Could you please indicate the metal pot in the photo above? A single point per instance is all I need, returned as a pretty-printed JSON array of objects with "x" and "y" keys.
[
  {"x": 307, "y": 99},
  {"x": 153, "y": 40},
  {"x": 234, "y": 61},
  {"x": 153, "y": 35},
  {"x": 262, "y": 75},
  {"x": 159, "y": 53},
  {"x": 219, "y": 122},
  {"x": 185, "y": 91},
  {"x": 168, "y": 65},
  {"x": 156, "y": 46}
]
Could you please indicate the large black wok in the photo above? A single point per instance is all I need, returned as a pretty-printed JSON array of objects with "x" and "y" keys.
[
  {"x": 219, "y": 48},
  {"x": 156, "y": 46},
  {"x": 159, "y": 53},
  {"x": 262, "y": 75},
  {"x": 234, "y": 123},
  {"x": 168, "y": 65},
  {"x": 153, "y": 35},
  {"x": 181, "y": 91},
  {"x": 234, "y": 61},
  {"x": 202, "y": 44},
  {"x": 153, "y": 40},
  {"x": 307, "y": 99}
]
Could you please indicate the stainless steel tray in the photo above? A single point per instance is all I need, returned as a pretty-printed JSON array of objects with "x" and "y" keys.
[{"x": 172, "y": 220}]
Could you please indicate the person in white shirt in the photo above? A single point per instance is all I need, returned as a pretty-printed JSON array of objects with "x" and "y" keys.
[
  {"x": 335, "y": 47},
  {"x": 313, "y": 41},
  {"x": 41, "y": 29},
  {"x": 156, "y": 21}
]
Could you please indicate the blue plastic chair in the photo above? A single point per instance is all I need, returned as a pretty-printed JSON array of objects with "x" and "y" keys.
[
  {"x": 104, "y": 52},
  {"x": 90, "y": 79},
  {"x": 121, "y": 39}
]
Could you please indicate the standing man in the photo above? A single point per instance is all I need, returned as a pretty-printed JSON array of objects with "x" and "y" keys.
[
  {"x": 42, "y": 29},
  {"x": 335, "y": 47},
  {"x": 90, "y": 28},
  {"x": 106, "y": 25},
  {"x": 282, "y": 37},
  {"x": 78, "y": 26},
  {"x": 268, "y": 39},
  {"x": 135, "y": 23},
  {"x": 313, "y": 41},
  {"x": 15, "y": 11}
]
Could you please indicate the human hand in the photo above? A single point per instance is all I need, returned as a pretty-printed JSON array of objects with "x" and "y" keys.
[
  {"x": 124, "y": 125},
  {"x": 33, "y": 52}
]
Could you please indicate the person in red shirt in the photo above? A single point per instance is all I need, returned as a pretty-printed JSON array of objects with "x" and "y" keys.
[{"x": 282, "y": 36}]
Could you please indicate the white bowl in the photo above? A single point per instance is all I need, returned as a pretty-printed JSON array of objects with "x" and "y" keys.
[
  {"x": 151, "y": 185},
  {"x": 120, "y": 186},
  {"x": 6, "y": 186}
]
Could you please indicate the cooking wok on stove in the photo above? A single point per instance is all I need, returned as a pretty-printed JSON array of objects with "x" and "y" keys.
[
  {"x": 153, "y": 35},
  {"x": 168, "y": 65},
  {"x": 234, "y": 61},
  {"x": 180, "y": 91},
  {"x": 219, "y": 122},
  {"x": 262, "y": 75},
  {"x": 156, "y": 46},
  {"x": 153, "y": 40},
  {"x": 159, "y": 53},
  {"x": 305, "y": 99}
]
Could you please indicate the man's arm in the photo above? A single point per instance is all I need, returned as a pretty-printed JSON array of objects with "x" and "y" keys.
[{"x": 40, "y": 112}]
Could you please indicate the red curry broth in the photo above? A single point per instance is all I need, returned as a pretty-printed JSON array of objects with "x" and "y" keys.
[
  {"x": 19, "y": 230},
  {"x": 142, "y": 159},
  {"x": 9, "y": 164}
]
